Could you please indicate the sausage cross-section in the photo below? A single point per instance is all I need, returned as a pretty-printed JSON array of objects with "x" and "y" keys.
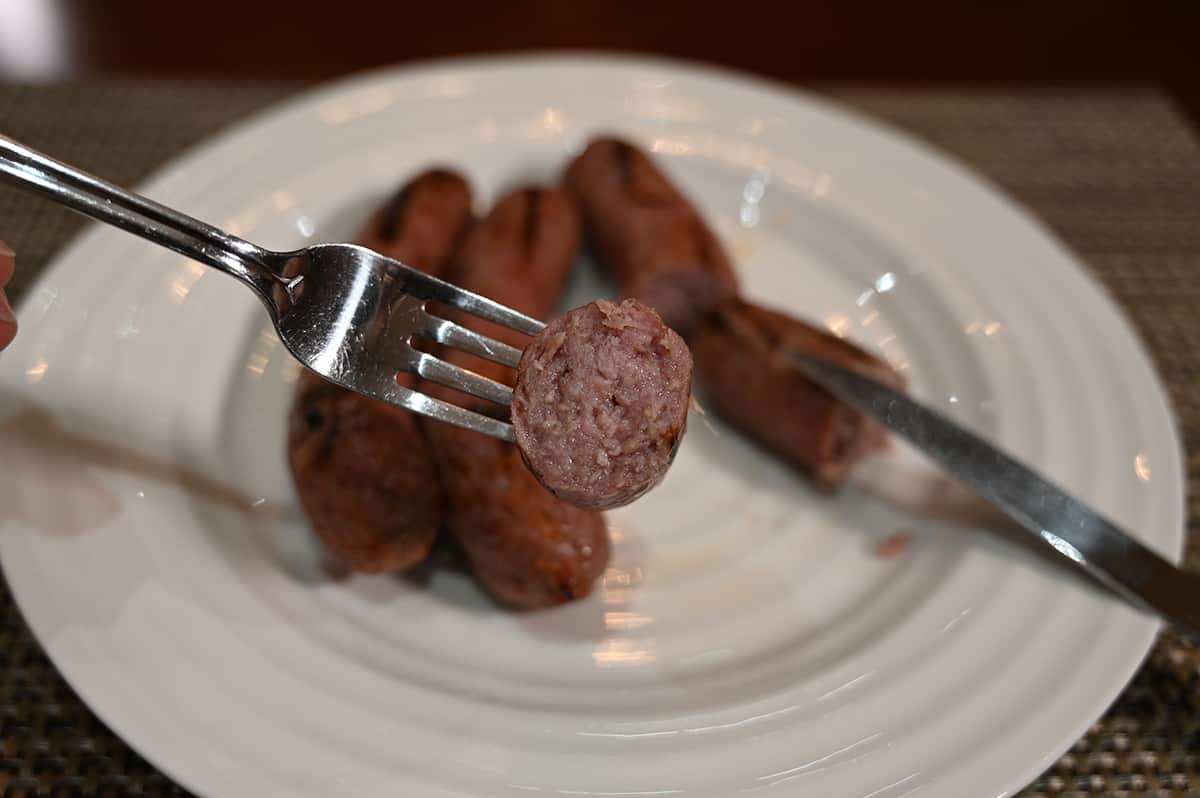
[{"x": 601, "y": 402}]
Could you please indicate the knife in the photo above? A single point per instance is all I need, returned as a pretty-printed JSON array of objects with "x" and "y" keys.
[{"x": 1099, "y": 547}]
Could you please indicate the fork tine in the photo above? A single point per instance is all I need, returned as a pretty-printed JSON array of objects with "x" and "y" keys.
[
  {"x": 419, "y": 284},
  {"x": 422, "y": 285},
  {"x": 396, "y": 394},
  {"x": 460, "y": 379},
  {"x": 449, "y": 413},
  {"x": 456, "y": 336}
]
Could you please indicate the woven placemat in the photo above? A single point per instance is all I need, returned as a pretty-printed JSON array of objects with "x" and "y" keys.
[{"x": 1115, "y": 174}]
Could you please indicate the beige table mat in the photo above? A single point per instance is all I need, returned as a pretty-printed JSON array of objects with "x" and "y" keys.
[{"x": 1115, "y": 174}]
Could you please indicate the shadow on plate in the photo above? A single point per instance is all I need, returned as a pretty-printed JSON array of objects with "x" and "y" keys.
[{"x": 54, "y": 461}]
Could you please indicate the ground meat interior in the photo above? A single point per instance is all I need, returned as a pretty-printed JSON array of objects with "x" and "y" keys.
[{"x": 601, "y": 402}]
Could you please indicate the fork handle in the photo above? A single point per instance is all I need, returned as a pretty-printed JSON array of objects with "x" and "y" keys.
[{"x": 27, "y": 168}]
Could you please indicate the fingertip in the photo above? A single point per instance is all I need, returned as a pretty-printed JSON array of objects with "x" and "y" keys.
[
  {"x": 8, "y": 260},
  {"x": 8, "y": 322},
  {"x": 8, "y": 331}
]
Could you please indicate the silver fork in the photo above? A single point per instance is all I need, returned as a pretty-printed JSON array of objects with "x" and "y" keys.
[{"x": 345, "y": 312}]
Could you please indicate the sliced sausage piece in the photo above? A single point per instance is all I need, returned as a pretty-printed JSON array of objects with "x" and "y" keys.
[
  {"x": 648, "y": 235},
  {"x": 752, "y": 386},
  {"x": 601, "y": 403},
  {"x": 362, "y": 468},
  {"x": 526, "y": 547}
]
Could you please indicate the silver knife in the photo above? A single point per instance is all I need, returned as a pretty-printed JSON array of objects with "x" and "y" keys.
[{"x": 1102, "y": 549}]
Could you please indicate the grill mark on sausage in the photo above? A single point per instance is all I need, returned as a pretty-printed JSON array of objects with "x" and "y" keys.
[
  {"x": 769, "y": 335},
  {"x": 330, "y": 437},
  {"x": 313, "y": 417},
  {"x": 746, "y": 324},
  {"x": 533, "y": 219},
  {"x": 393, "y": 212},
  {"x": 717, "y": 320},
  {"x": 624, "y": 154}
]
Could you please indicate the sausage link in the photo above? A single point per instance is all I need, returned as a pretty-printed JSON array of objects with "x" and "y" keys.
[
  {"x": 362, "y": 468},
  {"x": 526, "y": 547},
  {"x": 648, "y": 235},
  {"x": 736, "y": 352},
  {"x": 661, "y": 251}
]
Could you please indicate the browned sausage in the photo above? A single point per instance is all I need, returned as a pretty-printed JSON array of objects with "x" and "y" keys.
[
  {"x": 365, "y": 478},
  {"x": 362, "y": 468},
  {"x": 744, "y": 377},
  {"x": 601, "y": 403},
  {"x": 423, "y": 223},
  {"x": 526, "y": 547},
  {"x": 661, "y": 251},
  {"x": 648, "y": 235}
]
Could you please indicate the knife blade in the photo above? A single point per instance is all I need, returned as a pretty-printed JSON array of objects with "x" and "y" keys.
[{"x": 1074, "y": 530}]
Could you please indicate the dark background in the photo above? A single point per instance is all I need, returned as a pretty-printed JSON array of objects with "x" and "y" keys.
[{"x": 923, "y": 42}]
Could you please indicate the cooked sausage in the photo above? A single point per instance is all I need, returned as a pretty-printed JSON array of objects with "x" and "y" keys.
[
  {"x": 661, "y": 251},
  {"x": 745, "y": 379},
  {"x": 648, "y": 235},
  {"x": 601, "y": 403},
  {"x": 365, "y": 478},
  {"x": 362, "y": 468},
  {"x": 526, "y": 547},
  {"x": 422, "y": 223}
]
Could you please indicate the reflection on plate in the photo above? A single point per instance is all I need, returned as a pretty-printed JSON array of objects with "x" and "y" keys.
[{"x": 747, "y": 637}]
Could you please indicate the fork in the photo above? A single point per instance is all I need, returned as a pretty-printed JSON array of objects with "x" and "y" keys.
[{"x": 345, "y": 312}]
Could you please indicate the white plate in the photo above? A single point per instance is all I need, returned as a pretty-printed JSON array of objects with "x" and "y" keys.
[{"x": 747, "y": 636}]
